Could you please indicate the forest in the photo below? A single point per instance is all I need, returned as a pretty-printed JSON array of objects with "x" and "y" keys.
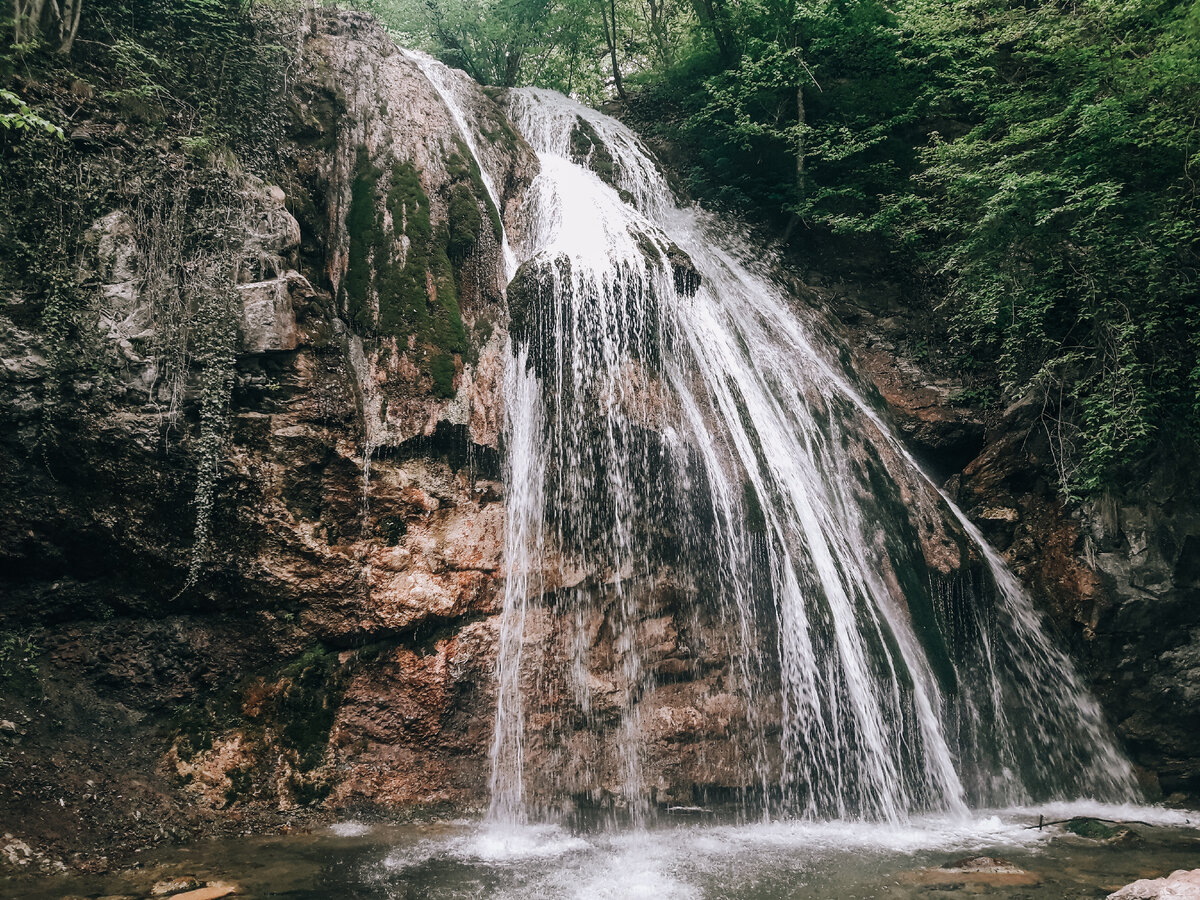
[{"x": 1028, "y": 168}]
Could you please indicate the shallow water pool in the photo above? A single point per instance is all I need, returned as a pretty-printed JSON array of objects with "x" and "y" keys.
[{"x": 701, "y": 860}]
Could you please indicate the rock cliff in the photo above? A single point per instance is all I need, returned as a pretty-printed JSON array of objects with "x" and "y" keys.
[
  {"x": 323, "y": 630},
  {"x": 252, "y": 512}
]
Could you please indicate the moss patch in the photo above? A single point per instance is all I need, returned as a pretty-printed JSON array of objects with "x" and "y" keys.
[
  {"x": 403, "y": 288},
  {"x": 365, "y": 240},
  {"x": 588, "y": 150},
  {"x": 1093, "y": 828},
  {"x": 462, "y": 167},
  {"x": 403, "y": 263},
  {"x": 443, "y": 375},
  {"x": 465, "y": 221},
  {"x": 756, "y": 519},
  {"x": 306, "y": 704}
]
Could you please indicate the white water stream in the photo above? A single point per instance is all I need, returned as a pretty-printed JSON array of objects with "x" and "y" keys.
[{"x": 637, "y": 408}]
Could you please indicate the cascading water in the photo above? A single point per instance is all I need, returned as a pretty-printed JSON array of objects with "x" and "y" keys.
[{"x": 674, "y": 426}]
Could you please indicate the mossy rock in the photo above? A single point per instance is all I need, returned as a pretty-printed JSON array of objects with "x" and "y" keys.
[
  {"x": 464, "y": 221},
  {"x": 535, "y": 312},
  {"x": 756, "y": 519},
  {"x": 443, "y": 371},
  {"x": 408, "y": 289},
  {"x": 366, "y": 238},
  {"x": 501, "y": 133},
  {"x": 313, "y": 114},
  {"x": 463, "y": 169},
  {"x": 589, "y": 151},
  {"x": 1098, "y": 830},
  {"x": 308, "y": 703},
  {"x": 684, "y": 272}
]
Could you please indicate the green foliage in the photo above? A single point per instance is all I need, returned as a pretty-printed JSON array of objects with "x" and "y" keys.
[
  {"x": 18, "y": 660},
  {"x": 1060, "y": 216},
  {"x": 214, "y": 69},
  {"x": 50, "y": 199},
  {"x": 400, "y": 279},
  {"x": 214, "y": 327},
  {"x": 23, "y": 117},
  {"x": 501, "y": 42}
]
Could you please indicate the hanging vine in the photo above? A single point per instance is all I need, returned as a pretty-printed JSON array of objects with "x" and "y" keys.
[
  {"x": 208, "y": 288},
  {"x": 214, "y": 330}
]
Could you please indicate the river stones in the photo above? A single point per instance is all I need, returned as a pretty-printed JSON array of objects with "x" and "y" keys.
[
  {"x": 175, "y": 886},
  {"x": 1179, "y": 885},
  {"x": 985, "y": 870},
  {"x": 213, "y": 891}
]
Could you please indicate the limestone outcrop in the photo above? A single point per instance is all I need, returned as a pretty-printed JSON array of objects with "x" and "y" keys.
[{"x": 336, "y": 645}]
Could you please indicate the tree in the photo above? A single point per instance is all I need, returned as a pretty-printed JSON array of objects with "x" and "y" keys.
[
  {"x": 33, "y": 19},
  {"x": 608, "y": 15}
]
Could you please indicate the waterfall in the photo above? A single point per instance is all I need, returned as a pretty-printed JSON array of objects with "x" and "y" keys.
[{"x": 676, "y": 428}]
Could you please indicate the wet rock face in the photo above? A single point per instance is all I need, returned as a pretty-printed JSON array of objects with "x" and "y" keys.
[
  {"x": 683, "y": 271},
  {"x": 693, "y": 742},
  {"x": 1143, "y": 625},
  {"x": 1114, "y": 576},
  {"x": 1117, "y": 576},
  {"x": 339, "y": 644}
]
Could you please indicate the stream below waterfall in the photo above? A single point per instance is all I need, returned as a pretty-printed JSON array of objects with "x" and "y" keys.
[{"x": 685, "y": 861}]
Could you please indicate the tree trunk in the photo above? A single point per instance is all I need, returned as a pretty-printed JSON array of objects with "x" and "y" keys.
[
  {"x": 610, "y": 38},
  {"x": 658, "y": 30},
  {"x": 33, "y": 16},
  {"x": 711, "y": 14},
  {"x": 69, "y": 24},
  {"x": 512, "y": 67},
  {"x": 801, "y": 121}
]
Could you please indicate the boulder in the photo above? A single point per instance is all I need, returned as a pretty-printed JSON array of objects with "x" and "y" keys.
[
  {"x": 978, "y": 870},
  {"x": 1179, "y": 885},
  {"x": 212, "y": 891},
  {"x": 268, "y": 312}
]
